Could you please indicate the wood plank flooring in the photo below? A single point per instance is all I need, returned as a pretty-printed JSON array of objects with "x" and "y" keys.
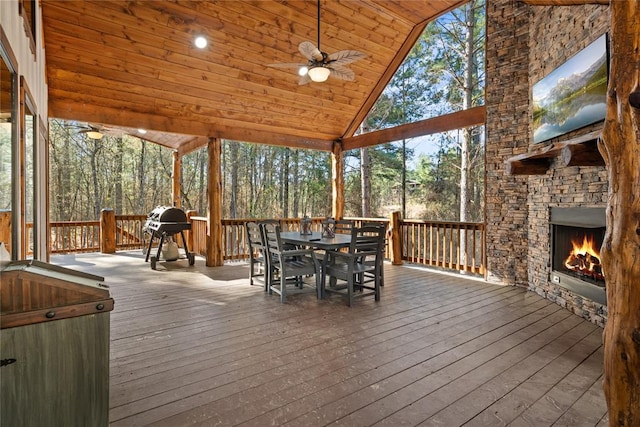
[{"x": 199, "y": 346}]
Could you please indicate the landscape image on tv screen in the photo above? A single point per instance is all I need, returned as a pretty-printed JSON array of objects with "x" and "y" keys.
[{"x": 573, "y": 95}]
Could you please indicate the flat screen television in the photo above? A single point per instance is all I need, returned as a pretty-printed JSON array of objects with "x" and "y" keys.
[{"x": 573, "y": 95}]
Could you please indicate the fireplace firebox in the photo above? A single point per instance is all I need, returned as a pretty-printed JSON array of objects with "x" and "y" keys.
[{"x": 576, "y": 238}]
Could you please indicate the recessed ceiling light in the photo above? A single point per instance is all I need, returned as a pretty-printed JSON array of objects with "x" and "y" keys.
[
  {"x": 142, "y": 131},
  {"x": 200, "y": 42}
]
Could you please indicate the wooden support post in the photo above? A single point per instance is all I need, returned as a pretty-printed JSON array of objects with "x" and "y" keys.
[
  {"x": 190, "y": 213},
  {"x": 107, "y": 231},
  {"x": 621, "y": 247},
  {"x": 337, "y": 181},
  {"x": 215, "y": 255},
  {"x": 395, "y": 239},
  {"x": 176, "y": 187}
]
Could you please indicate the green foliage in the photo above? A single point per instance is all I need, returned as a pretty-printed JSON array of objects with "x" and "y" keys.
[
  {"x": 443, "y": 73},
  {"x": 259, "y": 181},
  {"x": 84, "y": 174}
]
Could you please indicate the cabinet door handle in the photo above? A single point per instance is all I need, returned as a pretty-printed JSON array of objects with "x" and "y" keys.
[{"x": 5, "y": 362}]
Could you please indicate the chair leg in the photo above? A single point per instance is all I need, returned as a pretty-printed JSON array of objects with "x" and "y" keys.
[
  {"x": 350, "y": 291},
  {"x": 319, "y": 285},
  {"x": 252, "y": 271},
  {"x": 283, "y": 287}
]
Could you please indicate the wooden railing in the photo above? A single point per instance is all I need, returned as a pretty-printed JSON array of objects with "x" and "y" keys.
[
  {"x": 84, "y": 236},
  {"x": 455, "y": 246},
  {"x": 74, "y": 236},
  {"x": 129, "y": 234}
]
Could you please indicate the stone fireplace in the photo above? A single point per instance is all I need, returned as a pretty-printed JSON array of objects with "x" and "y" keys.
[
  {"x": 576, "y": 237},
  {"x": 529, "y": 215}
]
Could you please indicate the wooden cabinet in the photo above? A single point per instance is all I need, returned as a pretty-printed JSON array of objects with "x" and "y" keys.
[{"x": 54, "y": 346}]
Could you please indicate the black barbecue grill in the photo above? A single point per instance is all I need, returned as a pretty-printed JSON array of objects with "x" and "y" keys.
[{"x": 165, "y": 222}]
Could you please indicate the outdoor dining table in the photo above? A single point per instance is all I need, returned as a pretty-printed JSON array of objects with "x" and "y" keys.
[{"x": 315, "y": 240}]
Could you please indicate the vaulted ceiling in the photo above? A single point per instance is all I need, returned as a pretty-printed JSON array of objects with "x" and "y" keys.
[{"x": 133, "y": 64}]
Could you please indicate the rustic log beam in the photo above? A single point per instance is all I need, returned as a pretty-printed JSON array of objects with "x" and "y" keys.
[
  {"x": 107, "y": 231},
  {"x": 337, "y": 181},
  {"x": 176, "y": 189},
  {"x": 582, "y": 148},
  {"x": 563, "y": 2},
  {"x": 461, "y": 119},
  {"x": 395, "y": 238},
  {"x": 621, "y": 247},
  {"x": 528, "y": 167},
  {"x": 586, "y": 154},
  {"x": 215, "y": 255}
]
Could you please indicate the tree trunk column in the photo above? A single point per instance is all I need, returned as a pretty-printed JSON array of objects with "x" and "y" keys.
[
  {"x": 215, "y": 256},
  {"x": 395, "y": 239},
  {"x": 620, "y": 147},
  {"x": 176, "y": 178},
  {"x": 337, "y": 181}
]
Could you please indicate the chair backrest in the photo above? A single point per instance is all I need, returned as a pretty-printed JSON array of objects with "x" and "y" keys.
[
  {"x": 271, "y": 236},
  {"x": 344, "y": 226},
  {"x": 254, "y": 237},
  {"x": 367, "y": 241}
]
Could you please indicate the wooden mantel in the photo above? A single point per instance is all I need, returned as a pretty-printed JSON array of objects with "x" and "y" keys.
[{"x": 579, "y": 151}]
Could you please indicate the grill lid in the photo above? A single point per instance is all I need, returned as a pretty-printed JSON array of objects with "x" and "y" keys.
[{"x": 167, "y": 214}]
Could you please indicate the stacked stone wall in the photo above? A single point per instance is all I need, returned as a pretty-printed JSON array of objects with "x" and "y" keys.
[
  {"x": 518, "y": 208},
  {"x": 557, "y": 34},
  {"x": 507, "y": 104}
]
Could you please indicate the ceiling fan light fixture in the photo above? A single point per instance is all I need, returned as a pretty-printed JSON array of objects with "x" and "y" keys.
[
  {"x": 319, "y": 73},
  {"x": 302, "y": 71},
  {"x": 94, "y": 134}
]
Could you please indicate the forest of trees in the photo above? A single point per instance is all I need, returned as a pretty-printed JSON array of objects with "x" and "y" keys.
[{"x": 439, "y": 177}]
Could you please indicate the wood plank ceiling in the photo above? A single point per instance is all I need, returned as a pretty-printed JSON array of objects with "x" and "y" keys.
[{"x": 133, "y": 64}]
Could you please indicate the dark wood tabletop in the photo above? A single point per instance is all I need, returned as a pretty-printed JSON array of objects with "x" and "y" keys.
[{"x": 315, "y": 240}]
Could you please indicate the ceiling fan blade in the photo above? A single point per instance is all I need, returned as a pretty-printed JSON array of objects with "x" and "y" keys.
[
  {"x": 286, "y": 65},
  {"x": 304, "y": 80},
  {"x": 310, "y": 51},
  {"x": 342, "y": 73},
  {"x": 344, "y": 57}
]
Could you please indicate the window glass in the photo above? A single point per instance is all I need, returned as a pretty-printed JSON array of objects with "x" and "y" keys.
[{"x": 6, "y": 132}]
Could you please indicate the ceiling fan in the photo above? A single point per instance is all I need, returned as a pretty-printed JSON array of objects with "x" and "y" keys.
[
  {"x": 319, "y": 65},
  {"x": 98, "y": 131}
]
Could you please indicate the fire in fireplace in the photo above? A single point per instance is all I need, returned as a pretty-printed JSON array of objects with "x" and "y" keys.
[
  {"x": 583, "y": 259},
  {"x": 577, "y": 235}
]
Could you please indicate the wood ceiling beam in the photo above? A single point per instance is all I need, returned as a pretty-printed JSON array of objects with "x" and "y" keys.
[
  {"x": 461, "y": 119},
  {"x": 398, "y": 59},
  {"x": 563, "y": 2},
  {"x": 62, "y": 109}
]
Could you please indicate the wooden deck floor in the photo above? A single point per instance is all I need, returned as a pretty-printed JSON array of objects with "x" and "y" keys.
[{"x": 199, "y": 346}]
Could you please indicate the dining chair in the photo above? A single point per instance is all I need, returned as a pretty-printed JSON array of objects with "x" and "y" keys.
[
  {"x": 357, "y": 269},
  {"x": 382, "y": 224},
  {"x": 286, "y": 267},
  {"x": 344, "y": 226},
  {"x": 257, "y": 260}
]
